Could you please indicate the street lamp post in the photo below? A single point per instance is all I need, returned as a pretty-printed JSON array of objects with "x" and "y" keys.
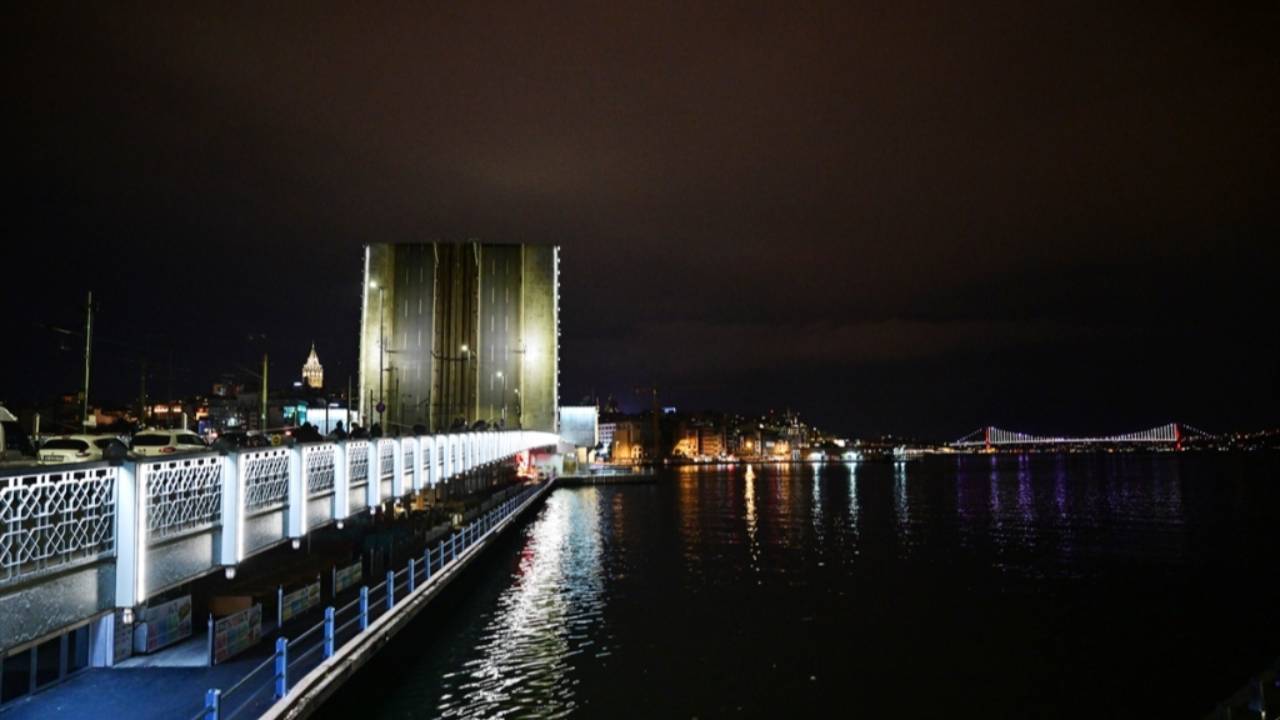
[
  {"x": 503, "y": 377},
  {"x": 449, "y": 395},
  {"x": 520, "y": 351},
  {"x": 462, "y": 386}
]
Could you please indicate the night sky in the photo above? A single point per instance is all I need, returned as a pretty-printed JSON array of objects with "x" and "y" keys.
[{"x": 894, "y": 217}]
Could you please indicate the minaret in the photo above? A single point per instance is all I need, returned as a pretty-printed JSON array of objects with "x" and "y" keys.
[{"x": 313, "y": 371}]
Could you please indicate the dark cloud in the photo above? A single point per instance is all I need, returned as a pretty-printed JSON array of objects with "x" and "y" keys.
[{"x": 778, "y": 193}]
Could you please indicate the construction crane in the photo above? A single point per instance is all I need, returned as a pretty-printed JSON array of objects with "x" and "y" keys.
[{"x": 652, "y": 392}]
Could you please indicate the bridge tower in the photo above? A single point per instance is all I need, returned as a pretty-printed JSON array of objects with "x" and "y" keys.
[
  {"x": 986, "y": 437},
  {"x": 1177, "y": 436}
]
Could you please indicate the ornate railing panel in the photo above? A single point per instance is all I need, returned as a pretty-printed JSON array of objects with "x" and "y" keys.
[
  {"x": 266, "y": 477},
  {"x": 386, "y": 458},
  {"x": 357, "y": 462},
  {"x": 317, "y": 465},
  {"x": 50, "y": 519},
  {"x": 181, "y": 494}
]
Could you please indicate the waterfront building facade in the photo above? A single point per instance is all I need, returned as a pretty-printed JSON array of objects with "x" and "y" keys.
[{"x": 630, "y": 440}]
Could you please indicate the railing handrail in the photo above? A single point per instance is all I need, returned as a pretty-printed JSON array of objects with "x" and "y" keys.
[
  {"x": 239, "y": 683},
  {"x": 174, "y": 457},
  {"x": 38, "y": 468},
  {"x": 510, "y": 505}
]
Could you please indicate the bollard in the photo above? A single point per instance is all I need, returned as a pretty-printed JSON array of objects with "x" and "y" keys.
[
  {"x": 412, "y": 573},
  {"x": 328, "y": 632},
  {"x": 212, "y": 701},
  {"x": 364, "y": 608},
  {"x": 391, "y": 589},
  {"x": 282, "y": 667}
]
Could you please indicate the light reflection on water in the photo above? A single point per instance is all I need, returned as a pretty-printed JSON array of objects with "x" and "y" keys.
[
  {"x": 749, "y": 489},
  {"x": 551, "y": 612},
  {"x": 770, "y": 586}
]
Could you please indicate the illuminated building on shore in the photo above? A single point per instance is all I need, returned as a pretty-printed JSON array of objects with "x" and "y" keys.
[
  {"x": 313, "y": 371},
  {"x": 453, "y": 333}
]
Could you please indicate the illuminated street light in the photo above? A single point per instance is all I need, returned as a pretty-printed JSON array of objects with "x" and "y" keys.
[{"x": 503, "y": 378}]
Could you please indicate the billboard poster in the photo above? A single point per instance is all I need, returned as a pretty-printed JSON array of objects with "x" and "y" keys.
[
  {"x": 163, "y": 625},
  {"x": 236, "y": 633},
  {"x": 299, "y": 601},
  {"x": 346, "y": 577}
]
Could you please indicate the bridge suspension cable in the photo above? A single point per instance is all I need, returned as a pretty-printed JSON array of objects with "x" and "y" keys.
[{"x": 1169, "y": 433}]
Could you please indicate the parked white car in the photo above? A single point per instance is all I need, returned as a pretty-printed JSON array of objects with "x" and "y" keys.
[
  {"x": 149, "y": 443},
  {"x": 74, "y": 448}
]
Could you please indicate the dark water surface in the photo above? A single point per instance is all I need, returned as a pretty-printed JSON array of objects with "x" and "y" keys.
[{"x": 1047, "y": 586}]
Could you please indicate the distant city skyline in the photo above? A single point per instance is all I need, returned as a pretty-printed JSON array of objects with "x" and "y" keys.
[{"x": 892, "y": 223}]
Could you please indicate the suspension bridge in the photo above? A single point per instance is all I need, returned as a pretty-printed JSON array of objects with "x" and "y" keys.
[{"x": 1170, "y": 434}]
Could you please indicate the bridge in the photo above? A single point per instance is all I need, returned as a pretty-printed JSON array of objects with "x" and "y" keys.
[
  {"x": 96, "y": 541},
  {"x": 1170, "y": 434}
]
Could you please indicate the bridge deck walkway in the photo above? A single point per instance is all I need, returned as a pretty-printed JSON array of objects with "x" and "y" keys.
[{"x": 144, "y": 693}]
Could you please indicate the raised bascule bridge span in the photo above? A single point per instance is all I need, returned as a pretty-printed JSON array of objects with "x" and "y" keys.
[{"x": 1168, "y": 435}]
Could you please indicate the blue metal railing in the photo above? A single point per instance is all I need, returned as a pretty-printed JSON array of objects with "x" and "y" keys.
[{"x": 294, "y": 658}]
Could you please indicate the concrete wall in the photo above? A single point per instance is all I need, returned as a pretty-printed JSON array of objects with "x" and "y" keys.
[
  {"x": 174, "y": 562},
  {"x": 319, "y": 510},
  {"x": 579, "y": 425},
  {"x": 55, "y": 602},
  {"x": 263, "y": 530}
]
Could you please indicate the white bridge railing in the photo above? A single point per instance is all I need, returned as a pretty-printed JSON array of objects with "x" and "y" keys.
[{"x": 53, "y": 519}]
